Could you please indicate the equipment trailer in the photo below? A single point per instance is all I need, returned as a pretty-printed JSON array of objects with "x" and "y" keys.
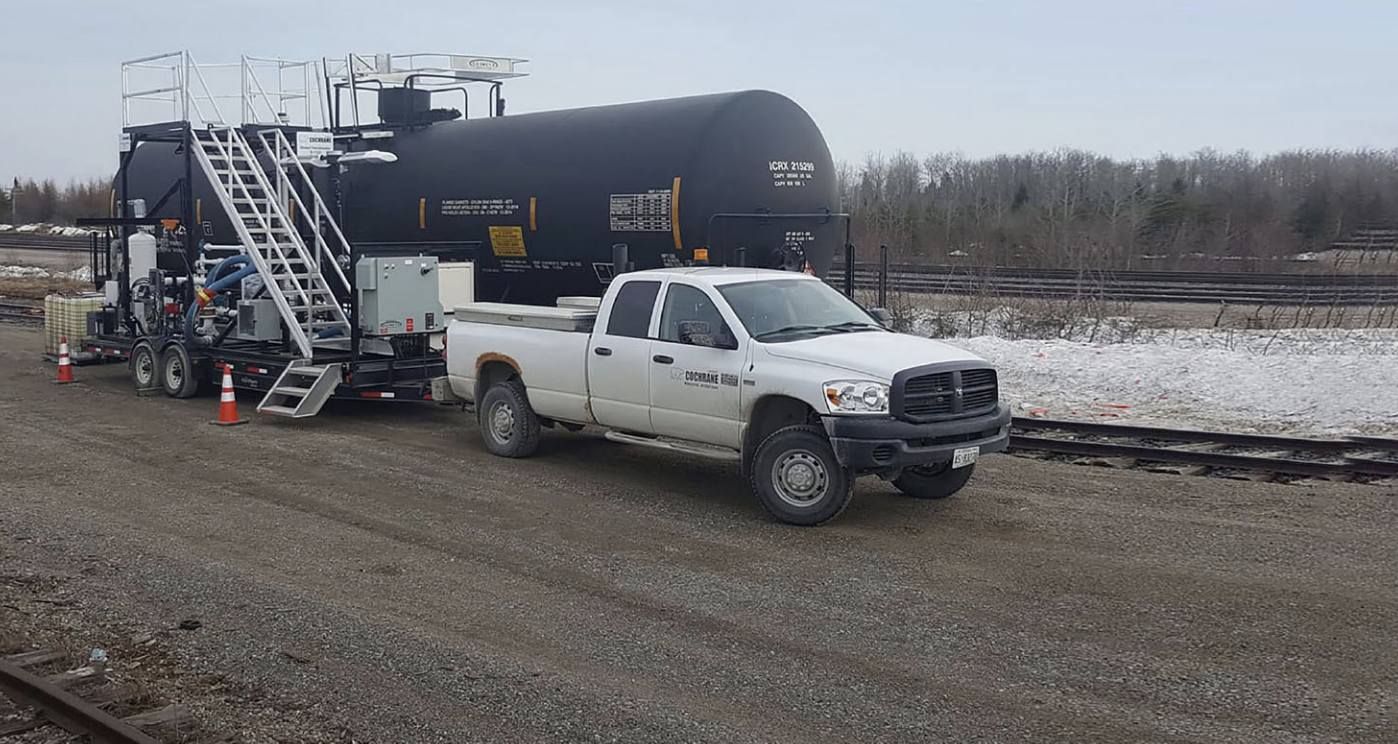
[{"x": 294, "y": 310}]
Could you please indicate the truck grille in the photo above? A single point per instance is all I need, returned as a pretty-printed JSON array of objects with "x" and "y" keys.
[{"x": 952, "y": 394}]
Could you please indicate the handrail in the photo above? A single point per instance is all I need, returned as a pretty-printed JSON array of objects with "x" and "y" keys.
[{"x": 320, "y": 206}]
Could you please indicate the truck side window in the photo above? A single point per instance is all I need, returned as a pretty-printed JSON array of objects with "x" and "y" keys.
[
  {"x": 686, "y": 303},
  {"x": 632, "y": 308}
]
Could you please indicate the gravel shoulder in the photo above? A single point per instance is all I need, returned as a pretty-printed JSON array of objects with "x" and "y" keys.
[{"x": 373, "y": 575}]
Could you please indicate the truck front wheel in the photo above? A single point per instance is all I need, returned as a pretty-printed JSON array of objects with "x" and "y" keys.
[
  {"x": 797, "y": 479},
  {"x": 933, "y": 481},
  {"x": 508, "y": 424}
]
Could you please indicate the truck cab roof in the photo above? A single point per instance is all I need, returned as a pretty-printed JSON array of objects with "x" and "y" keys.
[{"x": 719, "y": 275}]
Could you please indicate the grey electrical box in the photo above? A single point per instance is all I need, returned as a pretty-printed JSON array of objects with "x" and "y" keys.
[
  {"x": 258, "y": 320},
  {"x": 398, "y": 295}
]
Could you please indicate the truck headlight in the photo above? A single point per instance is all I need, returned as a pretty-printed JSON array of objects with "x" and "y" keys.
[{"x": 856, "y": 396}]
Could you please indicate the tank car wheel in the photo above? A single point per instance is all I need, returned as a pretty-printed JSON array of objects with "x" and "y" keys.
[
  {"x": 143, "y": 366},
  {"x": 508, "y": 423},
  {"x": 177, "y": 374}
]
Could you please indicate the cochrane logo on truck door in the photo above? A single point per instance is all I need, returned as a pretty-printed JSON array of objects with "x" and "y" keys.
[{"x": 710, "y": 379}]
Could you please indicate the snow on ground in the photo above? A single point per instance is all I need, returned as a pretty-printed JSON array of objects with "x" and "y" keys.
[
  {"x": 1303, "y": 381},
  {"x": 81, "y": 274}
]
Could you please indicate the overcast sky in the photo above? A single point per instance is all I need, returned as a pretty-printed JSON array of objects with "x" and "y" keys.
[{"x": 1123, "y": 77}]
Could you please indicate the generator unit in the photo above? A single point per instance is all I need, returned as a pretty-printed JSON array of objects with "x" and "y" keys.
[{"x": 398, "y": 295}]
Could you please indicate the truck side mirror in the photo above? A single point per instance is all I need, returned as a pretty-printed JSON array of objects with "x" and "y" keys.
[{"x": 882, "y": 315}]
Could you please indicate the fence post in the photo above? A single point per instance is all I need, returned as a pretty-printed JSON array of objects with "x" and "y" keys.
[
  {"x": 883, "y": 276},
  {"x": 849, "y": 270}
]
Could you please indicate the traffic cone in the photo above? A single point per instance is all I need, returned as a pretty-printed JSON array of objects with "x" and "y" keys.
[
  {"x": 65, "y": 365},
  {"x": 227, "y": 403}
]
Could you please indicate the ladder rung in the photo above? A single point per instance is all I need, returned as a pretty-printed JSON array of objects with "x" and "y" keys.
[
  {"x": 292, "y": 390},
  {"x": 279, "y": 410},
  {"x": 310, "y": 370}
]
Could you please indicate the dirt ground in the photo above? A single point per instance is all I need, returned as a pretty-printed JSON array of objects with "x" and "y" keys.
[{"x": 373, "y": 575}]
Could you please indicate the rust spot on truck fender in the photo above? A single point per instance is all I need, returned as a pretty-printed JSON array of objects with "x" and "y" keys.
[{"x": 493, "y": 356}]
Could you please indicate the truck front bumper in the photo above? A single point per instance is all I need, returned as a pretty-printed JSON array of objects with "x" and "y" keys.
[{"x": 884, "y": 443}]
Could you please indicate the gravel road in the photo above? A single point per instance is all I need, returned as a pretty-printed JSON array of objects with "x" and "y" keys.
[{"x": 373, "y": 575}]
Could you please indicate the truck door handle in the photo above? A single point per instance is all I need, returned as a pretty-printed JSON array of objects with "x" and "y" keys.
[
  {"x": 662, "y": 359},
  {"x": 601, "y": 351}
]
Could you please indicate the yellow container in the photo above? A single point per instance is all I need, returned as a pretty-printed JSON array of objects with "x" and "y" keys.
[{"x": 67, "y": 316}]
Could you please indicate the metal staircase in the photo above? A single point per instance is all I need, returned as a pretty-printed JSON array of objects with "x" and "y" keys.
[
  {"x": 305, "y": 294},
  {"x": 302, "y": 389}
]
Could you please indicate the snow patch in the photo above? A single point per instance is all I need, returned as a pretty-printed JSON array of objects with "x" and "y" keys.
[
  {"x": 81, "y": 274},
  {"x": 1306, "y": 381}
]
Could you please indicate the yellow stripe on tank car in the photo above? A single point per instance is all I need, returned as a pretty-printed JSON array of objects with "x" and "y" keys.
[
  {"x": 198, "y": 211},
  {"x": 675, "y": 212},
  {"x": 422, "y": 213},
  {"x": 533, "y": 209}
]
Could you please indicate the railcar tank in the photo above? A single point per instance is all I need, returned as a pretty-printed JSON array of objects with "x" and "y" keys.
[{"x": 539, "y": 200}]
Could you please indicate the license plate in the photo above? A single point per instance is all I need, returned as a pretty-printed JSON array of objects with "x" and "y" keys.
[{"x": 964, "y": 456}]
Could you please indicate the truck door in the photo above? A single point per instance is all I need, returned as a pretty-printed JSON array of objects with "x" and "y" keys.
[
  {"x": 695, "y": 367},
  {"x": 618, "y": 364}
]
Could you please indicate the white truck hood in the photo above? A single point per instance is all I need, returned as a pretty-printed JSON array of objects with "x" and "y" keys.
[{"x": 873, "y": 354}]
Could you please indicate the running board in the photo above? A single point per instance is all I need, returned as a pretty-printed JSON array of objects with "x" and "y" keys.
[
  {"x": 701, "y": 450},
  {"x": 301, "y": 390}
]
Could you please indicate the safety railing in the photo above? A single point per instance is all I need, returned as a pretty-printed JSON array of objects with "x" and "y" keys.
[{"x": 174, "y": 87}]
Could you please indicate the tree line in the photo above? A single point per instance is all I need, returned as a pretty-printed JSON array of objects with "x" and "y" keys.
[
  {"x": 1061, "y": 209},
  {"x": 26, "y": 201},
  {"x": 1071, "y": 208}
]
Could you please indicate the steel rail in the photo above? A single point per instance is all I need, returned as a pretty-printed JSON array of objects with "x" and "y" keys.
[
  {"x": 1185, "y": 435},
  {"x": 67, "y": 710},
  {"x": 1350, "y": 465}
]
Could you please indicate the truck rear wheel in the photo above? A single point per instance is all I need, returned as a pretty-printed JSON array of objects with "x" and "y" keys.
[
  {"x": 797, "y": 479},
  {"x": 508, "y": 424},
  {"x": 933, "y": 481},
  {"x": 177, "y": 373}
]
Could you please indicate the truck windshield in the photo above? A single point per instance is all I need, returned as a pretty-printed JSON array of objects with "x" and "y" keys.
[{"x": 788, "y": 309}]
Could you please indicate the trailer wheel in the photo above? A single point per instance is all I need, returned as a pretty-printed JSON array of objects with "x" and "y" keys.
[
  {"x": 177, "y": 372},
  {"x": 508, "y": 424},
  {"x": 797, "y": 479},
  {"x": 143, "y": 366},
  {"x": 933, "y": 481}
]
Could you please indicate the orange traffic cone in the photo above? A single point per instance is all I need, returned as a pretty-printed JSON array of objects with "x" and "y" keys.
[
  {"x": 227, "y": 403},
  {"x": 65, "y": 365}
]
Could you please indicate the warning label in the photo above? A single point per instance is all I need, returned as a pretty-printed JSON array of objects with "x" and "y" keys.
[
  {"x": 507, "y": 240},
  {"x": 478, "y": 207},
  {"x": 649, "y": 212}
]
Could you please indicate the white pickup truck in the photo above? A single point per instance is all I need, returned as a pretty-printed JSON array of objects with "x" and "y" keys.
[{"x": 771, "y": 368}]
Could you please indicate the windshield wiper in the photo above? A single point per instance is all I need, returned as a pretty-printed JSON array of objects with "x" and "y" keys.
[
  {"x": 854, "y": 325},
  {"x": 787, "y": 329}
]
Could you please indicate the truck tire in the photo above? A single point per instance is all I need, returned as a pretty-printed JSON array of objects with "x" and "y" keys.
[
  {"x": 797, "y": 479},
  {"x": 177, "y": 373},
  {"x": 508, "y": 424},
  {"x": 933, "y": 481},
  {"x": 143, "y": 366}
]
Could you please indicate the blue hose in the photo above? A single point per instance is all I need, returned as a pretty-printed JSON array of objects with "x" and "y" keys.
[
  {"x": 227, "y": 263},
  {"x": 227, "y": 281}
]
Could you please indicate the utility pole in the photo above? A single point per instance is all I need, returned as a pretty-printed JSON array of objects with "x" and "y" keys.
[{"x": 14, "y": 203}]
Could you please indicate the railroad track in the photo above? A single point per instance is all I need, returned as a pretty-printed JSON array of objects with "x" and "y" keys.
[
  {"x": 86, "y": 702},
  {"x": 16, "y": 312},
  {"x": 33, "y": 242},
  {"x": 1140, "y": 286},
  {"x": 1192, "y": 452}
]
